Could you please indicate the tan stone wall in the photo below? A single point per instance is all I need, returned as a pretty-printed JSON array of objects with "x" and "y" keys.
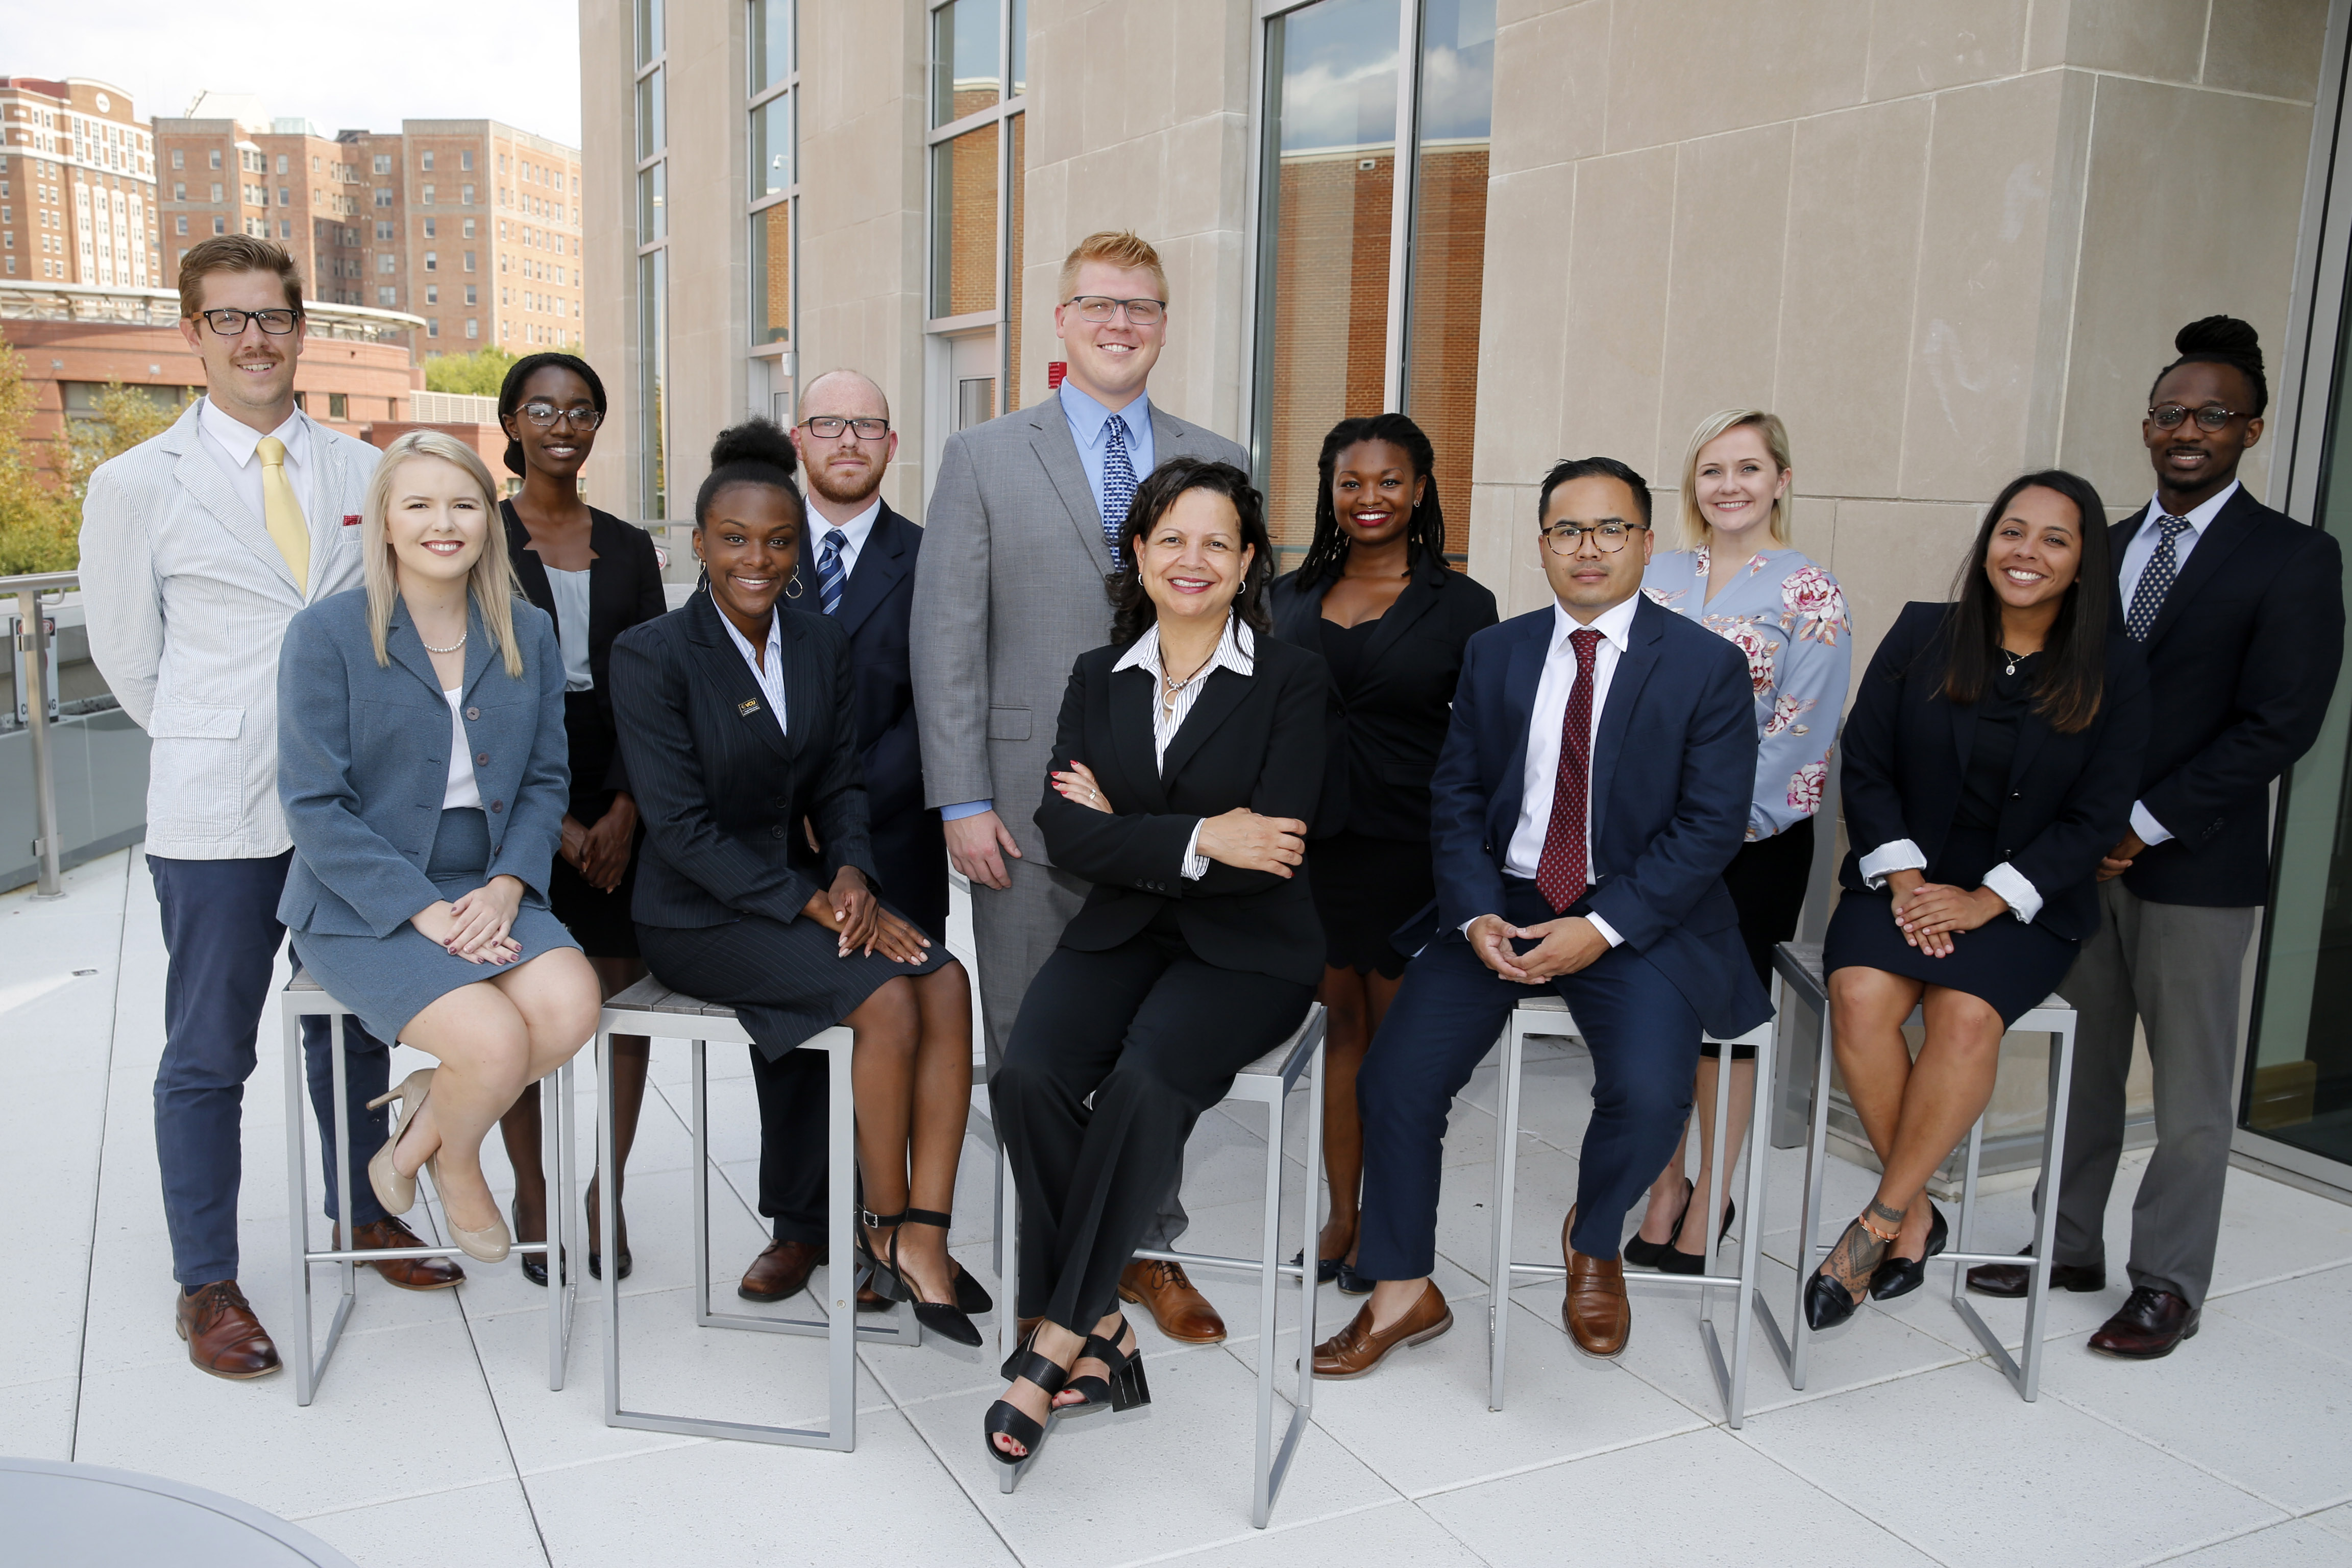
[{"x": 1946, "y": 241}]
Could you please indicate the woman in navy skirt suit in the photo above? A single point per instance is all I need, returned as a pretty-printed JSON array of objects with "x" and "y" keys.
[
  {"x": 1990, "y": 760},
  {"x": 421, "y": 761}
]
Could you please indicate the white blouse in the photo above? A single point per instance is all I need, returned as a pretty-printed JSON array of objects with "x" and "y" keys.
[{"x": 461, "y": 792}]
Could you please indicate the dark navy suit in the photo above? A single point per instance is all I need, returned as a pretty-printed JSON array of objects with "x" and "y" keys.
[{"x": 1673, "y": 763}]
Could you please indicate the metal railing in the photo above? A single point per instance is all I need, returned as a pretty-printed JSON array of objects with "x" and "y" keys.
[{"x": 33, "y": 641}]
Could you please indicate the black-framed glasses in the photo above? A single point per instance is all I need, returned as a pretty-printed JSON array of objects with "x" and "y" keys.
[
  {"x": 829, "y": 426},
  {"x": 2169, "y": 415},
  {"x": 1609, "y": 538},
  {"x": 546, "y": 414},
  {"x": 1102, "y": 308},
  {"x": 231, "y": 323}
]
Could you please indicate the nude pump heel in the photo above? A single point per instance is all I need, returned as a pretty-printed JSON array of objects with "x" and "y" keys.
[
  {"x": 395, "y": 1192},
  {"x": 488, "y": 1245}
]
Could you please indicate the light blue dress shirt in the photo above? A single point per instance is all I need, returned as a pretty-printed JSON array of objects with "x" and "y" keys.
[{"x": 1089, "y": 422}]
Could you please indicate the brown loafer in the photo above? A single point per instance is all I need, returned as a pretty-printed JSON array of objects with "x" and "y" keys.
[
  {"x": 782, "y": 1269},
  {"x": 2011, "y": 1279},
  {"x": 224, "y": 1336},
  {"x": 1182, "y": 1313},
  {"x": 1357, "y": 1349},
  {"x": 1595, "y": 1310},
  {"x": 409, "y": 1273},
  {"x": 2150, "y": 1323}
]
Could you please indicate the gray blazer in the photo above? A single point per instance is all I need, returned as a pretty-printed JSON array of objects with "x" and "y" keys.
[
  {"x": 1008, "y": 593},
  {"x": 363, "y": 761}
]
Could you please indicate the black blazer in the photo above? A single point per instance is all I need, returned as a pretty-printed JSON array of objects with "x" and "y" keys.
[
  {"x": 2241, "y": 664},
  {"x": 1252, "y": 740},
  {"x": 877, "y": 611},
  {"x": 722, "y": 791},
  {"x": 1906, "y": 754},
  {"x": 625, "y": 589},
  {"x": 1376, "y": 781}
]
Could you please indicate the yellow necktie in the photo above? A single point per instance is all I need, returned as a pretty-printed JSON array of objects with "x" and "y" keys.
[{"x": 281, "y": 513}]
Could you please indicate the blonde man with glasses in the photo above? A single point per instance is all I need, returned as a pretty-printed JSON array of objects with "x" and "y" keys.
[
  {"x": 1022, "y": 531},
  {"x": 197, "y": 548}
]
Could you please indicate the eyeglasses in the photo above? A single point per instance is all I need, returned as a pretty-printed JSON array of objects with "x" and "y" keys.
[
  {"x": 1102, "y": 307},
  {"x": 1568, "y": 538},
  {"x": 545, "y": 414},
  {"x": 2170, "y": 415},
  {"x": 829, "y": 426},
  {"x": 231, "y": 323}
]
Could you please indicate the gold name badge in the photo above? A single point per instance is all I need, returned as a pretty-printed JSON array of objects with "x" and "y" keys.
[{"x": 748, "y": 706}]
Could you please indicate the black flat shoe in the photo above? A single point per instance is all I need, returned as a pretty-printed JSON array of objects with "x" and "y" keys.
[
  {"x": 1901, "y": 1276},
  {"x": 1124, "y": 1389},
  {"x": 1351, "y": 1282},
  {"x": 534, "y": 1264},
  {"x": 1653, "y": 1254},
  {"x": 1010, "y": 1420},
  {"x": 1827, "y": 1302},
  {"x": 1326, "y": 1269},
  {"x": 945, "y": 1319},
  {"x": 1677, "y": 1261}
]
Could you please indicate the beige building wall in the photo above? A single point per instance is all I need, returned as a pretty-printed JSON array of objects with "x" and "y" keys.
[
  {"x": 1946, "y": 241},
  {"x": 608, "y": 236}
]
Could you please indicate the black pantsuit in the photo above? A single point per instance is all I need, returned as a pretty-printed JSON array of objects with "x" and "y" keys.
[{"x": 1164, "y": 986}]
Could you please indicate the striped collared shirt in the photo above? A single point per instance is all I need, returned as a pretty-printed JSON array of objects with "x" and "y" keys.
[{"x": 1237, "y": 651}]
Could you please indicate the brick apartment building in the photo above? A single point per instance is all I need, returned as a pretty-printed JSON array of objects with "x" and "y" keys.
[
  {"x": 470, "y": 224},
  {"x": 76, "y": 186}
]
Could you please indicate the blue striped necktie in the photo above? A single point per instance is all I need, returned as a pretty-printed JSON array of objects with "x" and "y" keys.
[
  {"x": 1118, "y": 483},
  {"x": 829, "y": 574},
  {"x": 2156, "y": 579}
]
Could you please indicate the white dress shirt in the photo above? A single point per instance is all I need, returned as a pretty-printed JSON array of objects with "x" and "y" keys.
[
  {"x": 233, "y": 445},
  {"x": 770, "y": 674},
  {"x": 1237, "y": 651},
  {"x": 854, "y": 534},
  {"x": 1540, "y": 777},
  {"x": 2136, "y": 555}
]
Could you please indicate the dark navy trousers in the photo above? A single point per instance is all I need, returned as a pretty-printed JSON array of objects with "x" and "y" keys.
[
  {"x": 1644, "y": 1038},
  {"x": 221, "y": 930}
]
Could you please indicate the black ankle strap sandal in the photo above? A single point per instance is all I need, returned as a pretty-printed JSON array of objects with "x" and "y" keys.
[
  {"x": 1125, "y": 1389},
  {"x": 1008, "y": 1419}
]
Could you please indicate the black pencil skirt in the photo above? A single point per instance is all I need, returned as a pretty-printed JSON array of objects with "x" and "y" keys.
[{"x": 785, "y": 981}]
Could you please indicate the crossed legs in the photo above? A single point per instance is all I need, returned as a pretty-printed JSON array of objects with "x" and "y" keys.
[{"x": 911, "y": 1073}]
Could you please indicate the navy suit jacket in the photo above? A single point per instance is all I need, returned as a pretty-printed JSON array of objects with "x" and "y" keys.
[
  {"x": 877, "y": 607},
  {"x": 1673, "y": 767},
  {"x": 2241, "y": 664}
]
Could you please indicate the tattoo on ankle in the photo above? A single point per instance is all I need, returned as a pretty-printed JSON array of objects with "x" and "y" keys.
[{"x": 1887, "y": 1216}]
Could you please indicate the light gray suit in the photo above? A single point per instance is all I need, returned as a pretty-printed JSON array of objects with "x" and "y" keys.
[{"x": 1008, "y": 593}]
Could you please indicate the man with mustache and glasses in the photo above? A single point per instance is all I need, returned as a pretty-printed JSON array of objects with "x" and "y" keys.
[{"x": 197, "y": 547}]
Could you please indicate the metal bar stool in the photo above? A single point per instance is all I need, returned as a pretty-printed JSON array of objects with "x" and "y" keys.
[
  {"x": 653, "y": 1009},
  {"x": 1546, "y": 1014},
  {"x": 1800, "y": 968},
  {"x": 1297, "y": 1063},
  {"x": 304, "y": 998}
]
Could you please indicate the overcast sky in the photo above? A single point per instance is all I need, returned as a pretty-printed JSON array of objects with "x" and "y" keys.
[{"x": 442, "y": 59}]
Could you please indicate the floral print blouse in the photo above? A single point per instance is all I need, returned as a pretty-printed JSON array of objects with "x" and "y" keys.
[{"x": 1788, "y": 615}]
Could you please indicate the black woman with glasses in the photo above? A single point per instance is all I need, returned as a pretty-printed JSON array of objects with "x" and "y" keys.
[{"x": 598, "y": 576}]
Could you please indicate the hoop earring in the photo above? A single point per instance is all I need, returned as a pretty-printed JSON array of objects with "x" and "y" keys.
[
  {"x": 793, "y": 589},
  {"x": 702, "y": 581}
]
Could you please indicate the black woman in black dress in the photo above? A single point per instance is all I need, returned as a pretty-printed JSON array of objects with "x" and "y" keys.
[
  {"x": 1990, "y": 760},
  {"x": 1375, "y": 598},
  {"x": 598, "y": 576}
]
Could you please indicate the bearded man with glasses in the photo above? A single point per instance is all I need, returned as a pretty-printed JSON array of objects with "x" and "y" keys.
[{"x": 197, "y": 547}]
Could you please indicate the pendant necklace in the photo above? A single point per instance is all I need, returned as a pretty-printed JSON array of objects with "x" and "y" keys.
[{"x": 2012, "y": 658}]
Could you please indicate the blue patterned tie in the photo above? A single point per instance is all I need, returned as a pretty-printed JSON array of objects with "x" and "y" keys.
[
  {"x": 1118, "y": 483},
  {"x": 829, "y": 574},
  {"x": 2154, "y": 580}
]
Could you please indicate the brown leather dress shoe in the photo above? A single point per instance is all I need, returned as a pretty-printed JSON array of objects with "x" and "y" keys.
[
  {"x": 2009, "y": 1279},
  {"x": 224, "y": 1336},
  {"x": 1182, "y": 1313},
  {"x": 1357, "y": 1349},
  {"x": 1595, "y": 1310},
  {"x": 2149, "y": 1324},
  {"x": 409, "y": 1273},
  {"x": 782, "y": 1269}
]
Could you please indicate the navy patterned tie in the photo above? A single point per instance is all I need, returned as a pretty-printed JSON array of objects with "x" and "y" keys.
[
  {"x": 829, "y": 574},
  {"x": 2154, "y": 580},
  {"x": 1118, "y": 483}
]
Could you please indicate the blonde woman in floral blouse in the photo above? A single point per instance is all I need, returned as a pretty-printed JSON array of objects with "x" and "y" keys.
[{"x": 1738, "y": 576}]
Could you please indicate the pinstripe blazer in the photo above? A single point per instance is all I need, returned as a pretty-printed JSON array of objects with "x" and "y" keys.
[{"x": 723, "y": 787}]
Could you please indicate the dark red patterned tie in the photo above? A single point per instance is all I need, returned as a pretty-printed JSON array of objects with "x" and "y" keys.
[{"x": 1561, "y": 874}]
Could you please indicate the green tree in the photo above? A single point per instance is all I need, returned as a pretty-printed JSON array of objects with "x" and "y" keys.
[
  {"x": 479, "y": 374},
  {"x": 40, "y": 510}
]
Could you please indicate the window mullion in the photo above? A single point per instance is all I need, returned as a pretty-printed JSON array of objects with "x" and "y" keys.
[{"x": 1407, "y": 168}]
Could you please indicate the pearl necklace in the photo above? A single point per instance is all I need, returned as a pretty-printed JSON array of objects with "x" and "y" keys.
[{"x": 453, "y": 646}]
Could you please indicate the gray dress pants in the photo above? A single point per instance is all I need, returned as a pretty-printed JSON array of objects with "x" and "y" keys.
[
  {"x": 1014, "y": 929},
  {"x": 2176, "y": 968}
]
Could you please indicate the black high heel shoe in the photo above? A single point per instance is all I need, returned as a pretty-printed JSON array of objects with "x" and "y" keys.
[
  {"x": 1125, "y": 1389},
  {"x": 945, "y": 1319},
  {"x": 595, "y": 1255},
  {"x": 1677, "y": 1261},
  {"x": 1326, "y": 1269},
  {"x": 1008, "y": 1419},
  {"x": 1652, "y": 1253},
  {"x": 1901, "y": 1276},
  {"x": 1828, "y": 1303},
  {"x": 534, "y": 1264}
]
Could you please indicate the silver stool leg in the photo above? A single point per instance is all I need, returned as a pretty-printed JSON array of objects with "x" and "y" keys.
[
  {"x": 1507, "y": 1173},
  {"x": 310, "y": 1362},
  {"x": 555, "y": 1160},
  {"x": 2024, "y": 1372},
  {"x": 1794, "y": 1349},
  {"x": 607, "y": 1218},
  {"x": 1273, "y": 1464},
  {"x": 1731, "y": 1372}
]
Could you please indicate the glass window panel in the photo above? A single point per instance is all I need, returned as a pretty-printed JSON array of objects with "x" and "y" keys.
[
  {"x": 652, "y": 118},
  {"x": 771, "y": 147},
  {"x": 653, "y": 351},
  {"x": 649, "y": 31},
  {"x": 1449, "y": 250},
  {"x": 964, "y": 59},
  {"x": 1020, "y": 72},
  {"x": 653, "y": 219},
  {"x": 963, "y": 223},
  {"x": 771, "y": 268},
  {"x": 1017, "y": 128},
  {"x": 771, "y": 44},
  {"x": 1323, "y": 285}
]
